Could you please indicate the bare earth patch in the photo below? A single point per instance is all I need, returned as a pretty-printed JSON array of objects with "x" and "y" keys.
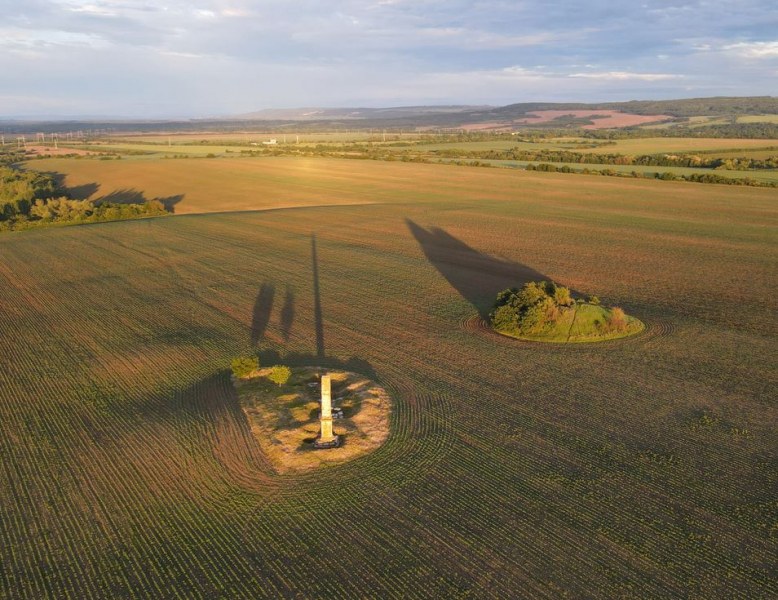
[
  {"x": 605, "y": 118},
  {"x": 491, "y": 126},
  {"x": 285, "y": 419},
  {"x": 52, "y": 151}
]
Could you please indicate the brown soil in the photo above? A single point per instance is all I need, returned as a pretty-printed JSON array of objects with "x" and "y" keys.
[
  {"x": 610, "y": 118},
  {"x": 490, "y": 126},
  {"x": 51, "y": 150}
]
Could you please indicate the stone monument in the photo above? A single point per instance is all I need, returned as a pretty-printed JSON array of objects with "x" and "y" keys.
[{"x": 326, "y": 438}]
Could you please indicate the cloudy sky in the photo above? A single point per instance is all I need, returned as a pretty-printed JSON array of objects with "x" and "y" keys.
[{"x": 163, "y": 58}]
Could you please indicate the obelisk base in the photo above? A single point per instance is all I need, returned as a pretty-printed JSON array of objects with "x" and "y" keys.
[{"x": 321, "y": 444}]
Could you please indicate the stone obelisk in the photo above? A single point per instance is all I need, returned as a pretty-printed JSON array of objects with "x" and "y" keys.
[{"x": 326, "y": 439}]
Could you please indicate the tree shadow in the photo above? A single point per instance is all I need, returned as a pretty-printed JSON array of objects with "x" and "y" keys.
[
  {"x": 477, "y": 277},
  {"x": 287, "y": 314},
  {"x": 82, "y": 192},
  {"x": 76, "y": 192},
  {"x": 319, "y": 361},
  {"x": 123, "y": 196},
  {"x": 169, "y": 202},
  {"x": 262, "y": 310},
  {"x": 263, "y": 305},
  {"x": 132, "y": 196}
]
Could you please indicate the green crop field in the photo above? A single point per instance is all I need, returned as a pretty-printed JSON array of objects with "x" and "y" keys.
[
  {"x": 757, "y": 154},
  {"x": 498, "y": 145},
  {"x": 245, "y": 137},
  {"x": 670, "y": 145},
  {"x": 203, "y": 145},
  {"x": 174, "y": 146},
  {"x": 638, "y": 468},
  {"x": 762, "y": 175},
  {"x": 630, "y": 146},
  {"x": 156, "y": 148},
  {"x": 757, "y": 119}
]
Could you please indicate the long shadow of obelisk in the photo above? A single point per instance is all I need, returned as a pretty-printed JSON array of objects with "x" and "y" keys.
[
  {"x": 269, "y": 356},
  {"x": 317, "y": 314}
]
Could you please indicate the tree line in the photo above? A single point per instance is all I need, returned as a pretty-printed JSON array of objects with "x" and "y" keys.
[
  {"x": 663, "y": 175},
  {"x": 31, "y": 199},
  {"x": 648, "y": 160}
]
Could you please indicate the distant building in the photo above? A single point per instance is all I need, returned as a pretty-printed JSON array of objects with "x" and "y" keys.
[{"x": 272, "y": 142}]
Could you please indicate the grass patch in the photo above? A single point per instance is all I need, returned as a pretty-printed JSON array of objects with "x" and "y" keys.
[
  {"x": 583, "y": 323},
  {"x": 285, "y": 419}
]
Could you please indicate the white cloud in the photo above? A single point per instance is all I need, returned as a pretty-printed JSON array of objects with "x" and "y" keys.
[
  {"x": 93, "y": 9},
  {"x": 18, "y": 38},
  {"x": 625, "y": 76},
  {"x": 754, "y": 49},
  {"x": 473, "y": 38},
  {"x": 241, "y": 55}
]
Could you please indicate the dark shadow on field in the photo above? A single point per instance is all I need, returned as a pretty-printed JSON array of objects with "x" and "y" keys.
[
  {"x": 76, "y": 192},
  {"x": 317, "y": 314},
  {"x": 132, "y": 196},
  {"x": 263, "y": 305},
  {"x": 169, "y": 202},
  {"x": 476, "y": 276},
  {"x": 86, "y": 191},
  {"x": 287, "y": 314},
  {"x": 82, "y": 192},
  {"x": 271, "y": 357},
  {"x": 124, "y": 196}
]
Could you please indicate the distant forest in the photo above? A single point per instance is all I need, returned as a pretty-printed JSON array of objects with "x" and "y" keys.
[
  {"x": 447, "y": 118},
  {"x": 690, "y": 107},
  {"x": 755, "y": 131}
]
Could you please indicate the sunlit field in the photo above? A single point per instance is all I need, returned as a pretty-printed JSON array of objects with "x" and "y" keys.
[{"x": 640, "y": 467}]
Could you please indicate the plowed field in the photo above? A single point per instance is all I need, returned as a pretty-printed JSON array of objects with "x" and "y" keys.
[{"x": 643, "y": 467}]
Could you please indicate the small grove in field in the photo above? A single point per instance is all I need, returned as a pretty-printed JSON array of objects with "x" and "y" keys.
[
  {"x": 246, "y": 366},
  {"x": 546, "y": 311},
  {"x": 282, "y": 408},
  {"x": 32, "y": 199}
]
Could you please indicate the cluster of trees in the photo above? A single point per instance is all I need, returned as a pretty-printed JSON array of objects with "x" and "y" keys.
[
  {"x": 31, "y": 199},
  {"x": 648, "y": 160},
  {"x": 20, "y": 189},
  {"x": 244, "y": 366},
  {"x": 664, "y": 176},
  {"x": 745, "y": 163},
  {"x": 534, "y": 308},
  {"x": 538, "y": 306},
  {"x": 686, "y": 107},
  {"x": 760, "y": 131}
]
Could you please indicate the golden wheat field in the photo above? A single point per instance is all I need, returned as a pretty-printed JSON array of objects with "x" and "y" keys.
[{"x": 637, "y": 468}]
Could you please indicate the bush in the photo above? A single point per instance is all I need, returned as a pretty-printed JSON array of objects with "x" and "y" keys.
[
  {"x": 280, "y": 374},
  {"x": 562, "y": 296},
  {"x": 504, "y": 318},
  {"x": 244, "y": 366},
  {"x": 617, "y": 320}
]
